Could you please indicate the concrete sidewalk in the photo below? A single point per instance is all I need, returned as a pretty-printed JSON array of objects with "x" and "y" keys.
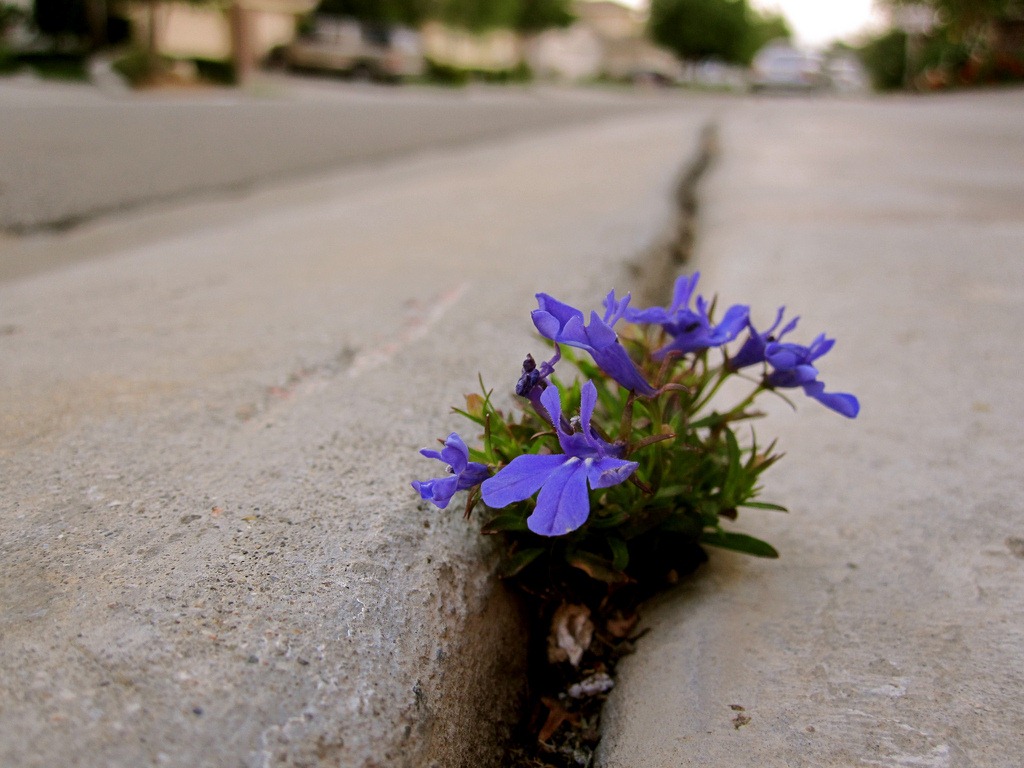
[
  {"x": 891, "y": 632},
  {"x": 211, "y": 552}
]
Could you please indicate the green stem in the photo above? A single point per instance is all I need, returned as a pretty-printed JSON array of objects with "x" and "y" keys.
[{"x": 701, "y": 399}]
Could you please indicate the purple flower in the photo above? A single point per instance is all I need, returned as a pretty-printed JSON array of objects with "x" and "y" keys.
[
  {"x": 753, "y": 350},
  {"x": 563, "y": 504},
  {"x": 792, "y": 364},
  {"x": 464, "y": 473},
  {"x": 791, "y": 367},
  {"x": 534, "y": 378},
  {"x": 691, "y": 329},
  {"x": 565, "y": 325}
]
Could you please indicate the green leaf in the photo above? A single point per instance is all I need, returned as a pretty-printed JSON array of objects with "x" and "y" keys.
[
  {"x": 476, "y": 419},
  {"x": 595, "y": 567},
  {"x": 506, "y": 521},
  {"x": 739, "y": 542},
  {"x": 620, "y": 553},
  {"x": 671, "y": 491},
  {"x": 511, "y": 566},
  {"x": 608, "y": 521},
  {"x": 734, "y": 453},
  {"x": 680, "y": 523},
  {"x": 764, "y": 505},
  {"x": 712, "y": 420}
]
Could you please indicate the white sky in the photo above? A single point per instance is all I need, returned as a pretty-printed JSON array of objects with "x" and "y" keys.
[{"x": 816, "y": 22}]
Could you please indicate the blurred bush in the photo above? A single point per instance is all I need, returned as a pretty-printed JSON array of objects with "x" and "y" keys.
[
  {"x": 885, "y": 59},
  {"x": 445, "y": 74}
]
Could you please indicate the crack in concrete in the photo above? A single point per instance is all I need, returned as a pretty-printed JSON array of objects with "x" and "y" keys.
[
  {"x": 652, "y": 274},
  {"x": 655, "y": 269}
]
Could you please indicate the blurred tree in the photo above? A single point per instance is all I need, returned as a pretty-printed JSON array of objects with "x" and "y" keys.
[
  {"x": 480, "y": 15},
  {"x": 885, "y": 59},
  {"x": 763, "y": 28},
  {"x": 535, "y": 15},
  {"x": 700, "y": 29},
  {"x": 526, "y": 15},
  {"x": 965, "y": 44},
  {"x": 408, "y": 12},
  {"x": 965, "y": 16},
  {"x": 720, "y": 29}
]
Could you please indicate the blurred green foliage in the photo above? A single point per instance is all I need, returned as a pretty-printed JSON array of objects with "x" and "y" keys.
[
  {"x": 445, "y": 74},
  {"x": 474, "y": 15},
  {"x": 970, "y": 42},
  {"x": 729, "y": 30},
  {"x": 56, "y": 65},
  {"x": 885, "y": 60}
]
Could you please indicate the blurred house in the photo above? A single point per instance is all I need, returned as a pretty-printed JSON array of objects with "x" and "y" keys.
[
  {"x": 216, "y": 30},
  {"x": 610, "y": 20},
  {"x": 495, "y": 51},
  {"x": 607, "y": 40},
  {"x": 572, "y": 54}
]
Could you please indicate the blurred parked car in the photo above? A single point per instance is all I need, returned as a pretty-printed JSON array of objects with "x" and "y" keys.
[
  {"x": 847, "y": 75},
  {"x": 361, "y": 51},
  {"x": 780, "y": 66}
]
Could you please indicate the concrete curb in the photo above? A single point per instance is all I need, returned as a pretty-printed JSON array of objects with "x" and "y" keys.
[{"x": 211, "y": 552}]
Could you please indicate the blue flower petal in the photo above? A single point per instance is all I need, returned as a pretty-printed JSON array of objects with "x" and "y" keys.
[
  {"x": 652, "y": 315},
  {"x": 792, "y": 377},
  {"x": 560, "y": 322},
  {"x": 599, "y": 333},
  {"x": 607, "y": 471},
  {"x": 520, "y": 479},
  {"x": 464, "y": 473},
  {"x": 840, "y": 402},
  {"x": 559, "y": 310},
  {"x": 819, "y": 347},
  {"x": 565, "y": 325},
  {"x": 615, "y": 361},
  {"x": 615, "y": 310},
  {"x": 439, "y": 490},
  {"x": 783, "y": 357},
  {"x": 455, "y": 453},
  {"x": 732, "y": 323},
  {"x": 691, "y": 329},
  {"x": 563, "y": 504},
  {"x": 588, "y": 401}
]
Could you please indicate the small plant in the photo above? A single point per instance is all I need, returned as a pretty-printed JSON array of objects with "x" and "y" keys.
[
  {"x": 643, "y": 429},
  {"x": 613, "y": 474}
]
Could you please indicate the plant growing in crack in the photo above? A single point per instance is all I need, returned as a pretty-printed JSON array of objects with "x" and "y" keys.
[{"x": 605, "y": 486}]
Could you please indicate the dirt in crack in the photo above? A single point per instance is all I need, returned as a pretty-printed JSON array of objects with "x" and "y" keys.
[{"x": 578, "y": 635}]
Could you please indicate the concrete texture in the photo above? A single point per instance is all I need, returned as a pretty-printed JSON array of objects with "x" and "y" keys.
[
  {"x": 890, "y": 633},
  {"x": 211, "y": 552},
  {"x": 72, "y": 153}
]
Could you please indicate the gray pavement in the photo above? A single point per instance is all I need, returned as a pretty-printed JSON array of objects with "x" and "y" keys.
[
  {"x": 211, "y": 410},
  {"x": 70, "y": 153},
  {"x": 891, "y": 632},
  {"x": 211, "y": 552}
]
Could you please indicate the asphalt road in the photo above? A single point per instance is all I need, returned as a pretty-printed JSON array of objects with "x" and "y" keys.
[{"x": 71, "y": 153}]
